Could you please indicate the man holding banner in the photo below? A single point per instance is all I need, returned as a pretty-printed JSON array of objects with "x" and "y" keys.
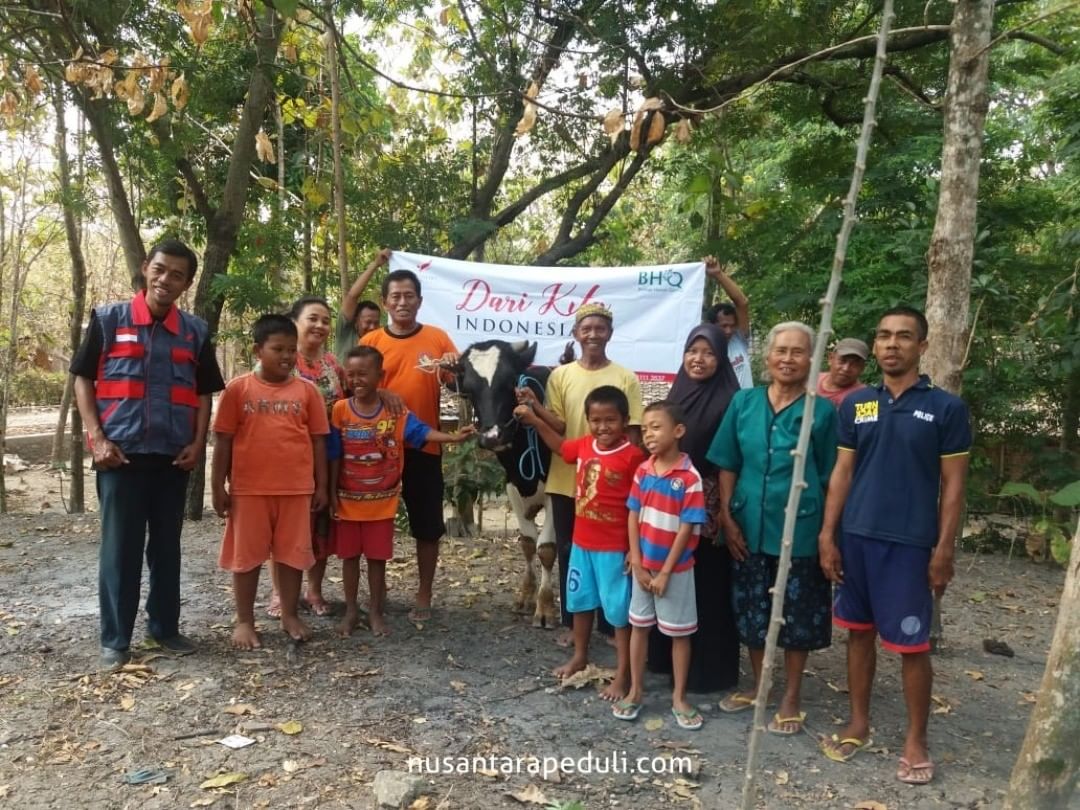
[{"x": 412, "y": 355}]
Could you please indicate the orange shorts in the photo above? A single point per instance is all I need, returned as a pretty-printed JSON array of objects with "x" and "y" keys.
[
  {"x": 373, "y": 539},
  {"x": 263, "y": 526}
]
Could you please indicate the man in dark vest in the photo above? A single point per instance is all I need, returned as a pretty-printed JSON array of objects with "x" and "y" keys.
[{"x": 143, "y": 379}]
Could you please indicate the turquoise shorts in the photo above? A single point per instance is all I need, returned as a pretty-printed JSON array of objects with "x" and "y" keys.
[{"x": 597, "y": 579}]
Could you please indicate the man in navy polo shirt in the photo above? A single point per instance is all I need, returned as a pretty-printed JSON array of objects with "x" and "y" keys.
[{"x": 899, "y": 484}]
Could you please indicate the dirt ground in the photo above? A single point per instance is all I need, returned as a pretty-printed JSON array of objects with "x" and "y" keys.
[{"x": 472, "y": 682}]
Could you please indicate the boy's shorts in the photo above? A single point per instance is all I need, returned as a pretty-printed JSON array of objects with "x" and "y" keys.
[
  {"x": 675, "y": 612},
  {"x": 263, "y": 526},
  {"x": 598, "y": 579},
  {"x": 373, "y": 539},
  {"x": 886, "y": 588}
]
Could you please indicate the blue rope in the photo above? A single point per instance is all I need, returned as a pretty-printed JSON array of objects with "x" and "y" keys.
[{"x": 531, "y": 463}]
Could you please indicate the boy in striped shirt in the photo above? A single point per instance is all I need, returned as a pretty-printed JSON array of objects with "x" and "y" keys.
[{"x": 667, "y": 510}]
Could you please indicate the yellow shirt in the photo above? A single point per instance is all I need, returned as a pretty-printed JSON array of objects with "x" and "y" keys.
[{"x": 567, "y": 388}]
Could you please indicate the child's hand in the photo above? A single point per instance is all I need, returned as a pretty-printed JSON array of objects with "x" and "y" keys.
[
  {"x": 464, "y": 433},
  {"x": 335, "y": 503},
  {"x": 659, "y": 583},
  {"x": 221, "y": 501},
  {"x": 319, "y": 499},
  {"x": 525, "y": 414},
  {"x": 644, "y": 577}
]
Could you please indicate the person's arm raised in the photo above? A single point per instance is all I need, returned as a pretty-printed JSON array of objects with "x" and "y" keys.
[
  {"x": 734, "y": 292},
  {"x": 352, "y": 297}
]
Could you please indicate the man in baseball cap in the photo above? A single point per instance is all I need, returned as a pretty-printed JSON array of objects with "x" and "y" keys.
[{"x": 846, "y": 363}]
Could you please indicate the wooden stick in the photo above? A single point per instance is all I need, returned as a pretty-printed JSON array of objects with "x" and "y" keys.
[{"x": 798, "y": 480}]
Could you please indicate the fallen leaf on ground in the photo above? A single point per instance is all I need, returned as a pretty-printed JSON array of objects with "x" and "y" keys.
[
  {"x": 869, "y": 804},
  {"x": 782, "y": 778},
  {"x": 388, "y": 746},
  {"x": 590, "y": 674},
  {"x": 423, "y": 803},
  {"x": 974, "y": 674},
  {"x": 488, "y": 772},
  {"x": 290, "y": 727},
  {"x": 530, "y": 794},
  {"x": 457, "y": 686},
  {"x": 654, "y": 723},
  {"x": 978, "y": 596},
  {"x": 224, "y": 780},
  {"x": 682, "y": 747},
  {"x": 290, "y": 766},
  {"x": 209, "y": 800},
  {"x": 238, "y": 708},
  {"x": 943, "y": 706},
  {"x": 127, "y": 703}
]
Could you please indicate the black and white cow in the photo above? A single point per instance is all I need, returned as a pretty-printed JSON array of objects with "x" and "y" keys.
[{"x": 489, "y": 373}]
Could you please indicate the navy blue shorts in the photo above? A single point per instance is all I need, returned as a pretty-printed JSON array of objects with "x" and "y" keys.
[{"x": 886, "y": 588}]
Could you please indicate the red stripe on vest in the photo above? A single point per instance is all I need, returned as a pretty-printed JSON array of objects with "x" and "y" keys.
[
  {"x": 136, "y": 350},
  {"x": 183, "y": 356},
  {"x": 179, "y": 395},
  {"x": 120, "y": 389}
]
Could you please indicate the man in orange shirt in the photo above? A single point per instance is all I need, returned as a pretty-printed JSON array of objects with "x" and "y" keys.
[{"x": 412, "y": 353}]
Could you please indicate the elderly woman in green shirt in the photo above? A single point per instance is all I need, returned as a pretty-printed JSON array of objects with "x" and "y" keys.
[{"x": 753, "y": 448}]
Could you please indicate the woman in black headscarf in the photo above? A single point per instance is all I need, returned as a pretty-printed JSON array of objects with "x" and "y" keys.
[{"x": 703, "y": 388}]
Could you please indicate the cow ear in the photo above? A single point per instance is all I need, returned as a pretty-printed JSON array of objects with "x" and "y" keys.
[{"x": 526, "y": 352}]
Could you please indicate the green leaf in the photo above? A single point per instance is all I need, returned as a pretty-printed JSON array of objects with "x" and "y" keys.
[
  {"x": 1060, "y": 548},
  {"x": 286, "y": 8},
  {"x": 1068, "y": 495},
  {"x": 1021, "y": 489}
]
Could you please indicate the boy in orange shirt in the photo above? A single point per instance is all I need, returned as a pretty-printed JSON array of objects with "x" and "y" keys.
[
  {"x": 366, "y": 450},
  {"x": 270, "y": 446}
]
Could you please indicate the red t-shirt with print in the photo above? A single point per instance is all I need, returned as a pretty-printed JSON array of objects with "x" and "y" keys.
[{"x": 604, "y": 478}]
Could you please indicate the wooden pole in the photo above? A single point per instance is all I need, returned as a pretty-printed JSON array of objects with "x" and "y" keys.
[{"x": 798, "y": 480}]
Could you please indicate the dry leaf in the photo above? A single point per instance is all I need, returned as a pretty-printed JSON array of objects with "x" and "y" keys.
[
  {"x": 613, "y": 123},
  {"x": 653, "y": 103},
  {"x": 290, "y": 727},
  {"x": 590, "y": 674},
  {"x": 869, "y": 804},
  {"x": 180, "y": 92},
  {"x": 224, "y": 780},
  {"x": 205, "y": 802},
  {"x": 683, "y": 132},
  {"x": 782, "y": 777},
  {"x": 528, "y": 120},
  {"x": 238, "y": 708},
  {"x": 530, "y": 794},
  {"x": 654, "y": 723},
  {"x": 457, "y": 686},
  {"x": 127, "y": 703},
  {"x": 32, "y": 80},
  {"x": 263, "y": 148},
  {"x": 388, "y": 746},
  {"x": 160, "y": 108},
  {"x": 657, "y": 128},
  {"x": 106, "y": 58},
  {"x": 289, "y": 50},
  {"x": 444, "y": 15},
  {"x": 943, "y": 706},
  {"x": 423, "y": 803},
  {"x": 974, "y": 673},
  {"x": 9, "y": 105},
  {"x": 290, "y": 766}
]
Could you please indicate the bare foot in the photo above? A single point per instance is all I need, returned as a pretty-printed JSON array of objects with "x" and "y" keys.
[
  {"x": 616, "y": 690},
  {"x": 575, "y": 664},
  {"x": 296, "y": 628},
  {"x": 244, "y": 637},
  {"x": 349, "y": 623},
  {"x": 273, "y": 610},
  {"x": 565, "y": 637},
  {"x": 379, "y": 627}
]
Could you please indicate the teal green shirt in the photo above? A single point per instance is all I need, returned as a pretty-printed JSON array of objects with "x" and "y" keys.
[{"x": 755, "y": 442}]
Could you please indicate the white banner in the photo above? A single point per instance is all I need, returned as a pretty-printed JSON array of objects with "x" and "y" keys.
[{"x": 654, "y": 306}]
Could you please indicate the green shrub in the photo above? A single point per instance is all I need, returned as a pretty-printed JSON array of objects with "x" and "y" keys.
[{"x": 33, "y": 386}]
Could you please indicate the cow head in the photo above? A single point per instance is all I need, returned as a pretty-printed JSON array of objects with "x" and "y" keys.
[{"x": 488, "y": 375}]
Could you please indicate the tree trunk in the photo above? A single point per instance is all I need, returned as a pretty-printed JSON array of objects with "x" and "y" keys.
[
  {"x": 952, "y": 245},
  {"x": 78, "y": 307},
  {"x": 128, "y": 230},
  {"x": 224, "y": 224},
  {"x": 339, "y": 169},
  {"x": 1045, "y": 774}
]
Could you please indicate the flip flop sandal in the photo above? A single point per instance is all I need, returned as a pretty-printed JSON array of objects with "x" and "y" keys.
[
  {"x": 626, "y": 710},
  {"x": 735, "y": 703},
  {"x": 775, "y": 726},
  {"x": 921, "y": 773},
  {"x": 691, "y": 720},
  {"x": 830, "y": 747}
]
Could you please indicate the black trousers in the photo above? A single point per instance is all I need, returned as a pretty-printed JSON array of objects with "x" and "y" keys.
[
  {"x": 562, "y": 509},
  {"x": 142, "y": 511}
]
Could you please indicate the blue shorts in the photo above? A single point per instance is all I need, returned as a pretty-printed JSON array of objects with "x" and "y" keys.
[
  {"x": 886, "y": 588},
  {"x": 597, "y": 579}
]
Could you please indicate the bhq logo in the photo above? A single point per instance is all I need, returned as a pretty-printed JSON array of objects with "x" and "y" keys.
[{"x": 660, "y": 280}]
